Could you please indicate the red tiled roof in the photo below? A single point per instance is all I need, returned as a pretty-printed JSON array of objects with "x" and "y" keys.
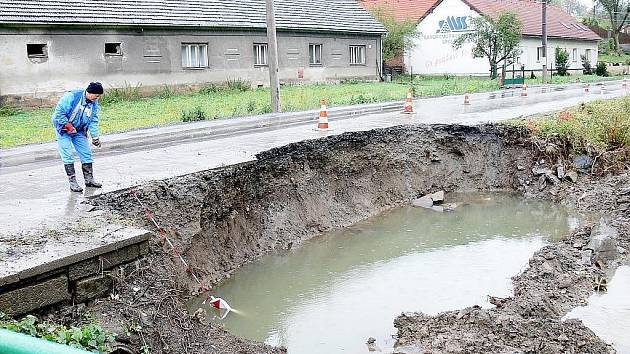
[
  {"x": 401, "y": 9},
  {"x": 559, "y": 23}
]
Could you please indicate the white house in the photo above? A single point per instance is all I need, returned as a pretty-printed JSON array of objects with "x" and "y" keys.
[{"x": 444, "y": 20}]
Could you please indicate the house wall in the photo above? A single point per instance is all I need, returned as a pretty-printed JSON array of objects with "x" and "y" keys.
[
  {"x": 529, "y": 55},
  {"x": 434, "y": 53},
  {"x": 153, "y": 57}
]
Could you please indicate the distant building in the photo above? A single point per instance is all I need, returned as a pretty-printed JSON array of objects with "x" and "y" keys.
[
  {"x": 441, "y": 22},
  {"x": 49, "y": 46}
]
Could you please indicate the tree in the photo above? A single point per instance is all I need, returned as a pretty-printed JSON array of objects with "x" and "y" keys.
[
  {"x": 562, "y": 60},
  {"x": 586, "y": 64},
  {"x": 496, "y": 39},
  {"x": 617, "y": 11},
  {"x": 400, "y": 34},
  {"x": 574, "y": 8}
]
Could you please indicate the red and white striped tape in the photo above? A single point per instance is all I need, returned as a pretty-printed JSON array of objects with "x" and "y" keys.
[{"x": 215, "y": 302}]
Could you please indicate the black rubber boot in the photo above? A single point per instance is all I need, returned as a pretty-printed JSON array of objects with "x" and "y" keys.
[
  {"x": 72, "y": 178},
  {"x": 88, "y": 176}
]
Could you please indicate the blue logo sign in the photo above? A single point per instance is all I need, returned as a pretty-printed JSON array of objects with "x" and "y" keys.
[{"x": 453, "y": 24}]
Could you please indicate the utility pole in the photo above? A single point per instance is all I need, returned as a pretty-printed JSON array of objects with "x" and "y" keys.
[
  {"x": 274, "y": 81},
  {"x": 544, "y": 40}
]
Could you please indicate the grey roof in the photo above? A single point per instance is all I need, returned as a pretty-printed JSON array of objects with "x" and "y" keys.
[{"x": 319, "y": 15}]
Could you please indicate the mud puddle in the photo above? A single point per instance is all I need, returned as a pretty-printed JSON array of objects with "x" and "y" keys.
[
  {"x": 608, "y": 314},
  {"x": 336, "y": 291}
]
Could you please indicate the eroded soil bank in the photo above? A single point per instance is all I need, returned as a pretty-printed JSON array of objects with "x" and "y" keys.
[{"x": 224, "y": 218}]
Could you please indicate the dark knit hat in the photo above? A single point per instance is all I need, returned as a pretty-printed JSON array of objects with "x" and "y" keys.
[{"x": 95, "y": 88}]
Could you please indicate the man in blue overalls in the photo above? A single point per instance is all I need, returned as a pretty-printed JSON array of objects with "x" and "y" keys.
[{"x": 75, "y": 115}]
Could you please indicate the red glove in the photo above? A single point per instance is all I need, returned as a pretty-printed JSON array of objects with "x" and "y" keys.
[{"x": 70, "y": 128}]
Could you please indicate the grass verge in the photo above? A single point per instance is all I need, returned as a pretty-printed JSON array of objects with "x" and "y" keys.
[
  {"x": 124, "y": 109},
  {"x": 599, "y": 129}
]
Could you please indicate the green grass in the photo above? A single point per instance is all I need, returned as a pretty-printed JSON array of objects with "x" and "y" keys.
[
  {"x": 608, "y": 58},
  {"x": 123, "y": 109},
  {"x": 589, "y": 128},
  {"x": 556, "y": 79},
  {"x": 600, "y": 129},
  {"x": 425, "y": 85}
]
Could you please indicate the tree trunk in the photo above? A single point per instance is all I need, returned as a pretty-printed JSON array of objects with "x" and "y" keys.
[
  {"x": 493, "y": 70},
  {"x": 616, "y": 42}
]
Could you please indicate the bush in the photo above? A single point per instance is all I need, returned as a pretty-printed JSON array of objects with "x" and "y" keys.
[
  {"x": 601, "y": 69},
  {"x": 586, "y": 65},
  {"x": 194, "y": 115},
  {"x": 603, "y": 47},
  {"x": 89, "y": 337},
  {"x": 562, "y": 60},
  {"x": 8, "y": 111}
]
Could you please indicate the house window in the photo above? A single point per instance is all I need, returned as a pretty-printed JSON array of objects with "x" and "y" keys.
[
  {"x": 113, "y": 49},
  {"x": 315, "y": 54},
  {"x": 260, "y": 54},
  {"x": 587, "y": 54},
  {"x": 194, "y": 55},
  {"x": 357, "y": 55},
  {"x": 575, "y": 54},
  {"x": 539, "y": 54},
  {"x": 37, "y": 50}
]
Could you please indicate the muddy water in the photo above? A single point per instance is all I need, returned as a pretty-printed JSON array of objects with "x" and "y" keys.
[
  {"x": 608, "y": 314},
  {"x": 336, "y": 291}
]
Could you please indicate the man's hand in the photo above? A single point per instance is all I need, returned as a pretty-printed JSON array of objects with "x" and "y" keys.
[
  {"x": 96, "y": 142},
  {"x": 70, "y": 128}
]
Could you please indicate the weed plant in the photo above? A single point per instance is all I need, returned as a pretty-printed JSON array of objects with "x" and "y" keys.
[
  {"x": 238, "y": 85},
  {"x": 129, "y": 92},
  {"x": 164, "y": 91},
  {"x": 194, "y": 115},
  {"x": 91, "y": 337}
]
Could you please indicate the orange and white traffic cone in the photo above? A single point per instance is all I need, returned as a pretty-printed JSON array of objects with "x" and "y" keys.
[
  {"x": 586, "y": 88},
  {"x": 409, "y": 102},
  {"x": 323, "y": 116},
  {"x": 524, "y": 91},
  {"x": 466, "y": 99}
]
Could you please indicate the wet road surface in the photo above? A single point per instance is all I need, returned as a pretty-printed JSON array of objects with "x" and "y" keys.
[{"x": 35, "y": 196}]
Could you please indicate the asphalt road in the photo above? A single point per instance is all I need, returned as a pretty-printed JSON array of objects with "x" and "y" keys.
[{"x": 35, "y": 195}]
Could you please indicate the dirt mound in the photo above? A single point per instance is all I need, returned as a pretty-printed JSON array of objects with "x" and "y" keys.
[{"x": 474, "y": 330}]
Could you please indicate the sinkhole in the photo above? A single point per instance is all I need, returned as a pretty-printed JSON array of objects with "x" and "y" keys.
[{"x": 345, "y": 286}]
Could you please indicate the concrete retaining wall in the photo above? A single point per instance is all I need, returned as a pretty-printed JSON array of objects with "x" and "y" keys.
[{"x": 73, "y": 276}]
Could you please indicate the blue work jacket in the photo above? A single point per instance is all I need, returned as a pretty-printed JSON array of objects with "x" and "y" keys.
[{"x": 75, "y": 108}]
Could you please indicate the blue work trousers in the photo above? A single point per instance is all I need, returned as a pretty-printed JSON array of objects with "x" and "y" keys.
[{"x": 81, "y": 145}]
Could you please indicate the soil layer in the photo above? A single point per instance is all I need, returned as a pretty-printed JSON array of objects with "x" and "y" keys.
[{"x": 224, "y": 218}]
